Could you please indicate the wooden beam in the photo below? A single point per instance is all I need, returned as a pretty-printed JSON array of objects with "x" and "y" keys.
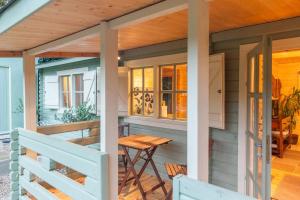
[
  {"x": 64, "y": 41},
  {"x": 148, "y": 13},
  {"x": 29, "y": 92},
  {"x": 19, "y": 11},
  {"x": 109, "y": 103},
  {"x": 281, "y": 26},
  {"x": 61, "y": 128},
  {"x": 139, "y": 16},
  {"x": 8, "y": 54},
  {"x": 67, "y": 55},
  {"x": 198, "y": 90}
]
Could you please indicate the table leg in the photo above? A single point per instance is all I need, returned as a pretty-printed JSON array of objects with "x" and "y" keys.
[
  {"x": 161, "y": 182},
  {"x": 152, "y": 151},
  {"x": 131, "y": 169}
]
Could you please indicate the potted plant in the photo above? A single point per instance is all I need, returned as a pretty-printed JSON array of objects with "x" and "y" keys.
[{"x": 289, "y": 106}]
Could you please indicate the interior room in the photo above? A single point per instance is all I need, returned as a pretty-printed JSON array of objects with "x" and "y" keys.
[{"x": 285, "y": 125}]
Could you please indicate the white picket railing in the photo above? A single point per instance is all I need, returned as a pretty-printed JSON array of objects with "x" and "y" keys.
[
  {"x": 189, "y": 189},
  {"x": 92, "y": 164}
]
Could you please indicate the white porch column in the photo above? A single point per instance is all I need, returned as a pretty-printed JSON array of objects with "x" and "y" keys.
[
  {"x": 29, "y": 92},
  {"x": 198, "y": 90},
  {"x": 109, "y": 103}
]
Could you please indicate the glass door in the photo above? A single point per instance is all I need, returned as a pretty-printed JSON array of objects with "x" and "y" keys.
[{"x": 259, "y": 103}]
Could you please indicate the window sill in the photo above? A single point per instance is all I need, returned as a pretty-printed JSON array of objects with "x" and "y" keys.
[{"x": 154, "y": 122}]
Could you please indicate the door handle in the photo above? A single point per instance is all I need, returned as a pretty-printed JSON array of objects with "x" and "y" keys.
[{"x": 219, "y": 91}]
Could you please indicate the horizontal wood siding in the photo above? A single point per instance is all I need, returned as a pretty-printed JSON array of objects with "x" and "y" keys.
[
  {"x": 224, "y": 158},
  {"x": 224, "y": 155}
]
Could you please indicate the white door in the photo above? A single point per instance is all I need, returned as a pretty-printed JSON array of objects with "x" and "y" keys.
[
  {"x": 4, "y": 100},
  {"x": 259, "y": 112}
]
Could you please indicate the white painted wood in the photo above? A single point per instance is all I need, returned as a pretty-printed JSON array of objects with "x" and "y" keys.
[
  {"x": 109, "y": 103},
  {"x": 29, "y": 92},
  {"x": 189, "y": 189},
  {"x": 36, "y": 189},
  {"x": 217, "y": 91},
  {"x": 198, "y": 90},
  {"x": 148, "y": 13},
  {"x": 89, "y": 85},
  {"x": 4, "y": 103},
  {"x": 71, "y": 188},
  {"x": 51, "y": 91},
  {"x": 242, "y": 122}
]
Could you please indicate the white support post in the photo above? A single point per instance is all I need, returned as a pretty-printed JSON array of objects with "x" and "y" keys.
[
  {"x": 109, "y": 103},
  {"x": 198, "y": 90},
  {"x": 29, "y": 92}
]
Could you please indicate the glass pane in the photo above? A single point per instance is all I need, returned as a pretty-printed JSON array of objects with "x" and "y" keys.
[
  {"x": 78, "y": 99},
  {"x": 181, "y": 105},
  {"x": 260, "y": 118},
  {"x": 167, "y": 77},
  {"x": 148, "y": 107},
  {"x": 65, "y": 90},
  {"x": 251, "y": 115},
  {"x": 137, "y": 78},
  {"x": 181, "y": 77},
  {"x": 166, "y": 105},
  {"x": 260, "y": 75},
  {"x": 137, "y": 103},
  {"x": 148, "y": 79},
  {"x": 252, "y": 67},
  {"x": 78, "y": 79}
]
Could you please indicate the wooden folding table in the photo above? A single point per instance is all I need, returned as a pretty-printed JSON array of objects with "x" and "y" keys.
[{"x": 147, "y": 145}]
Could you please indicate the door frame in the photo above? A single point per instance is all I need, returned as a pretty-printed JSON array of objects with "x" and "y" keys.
[
  {"x": 9, "y": 100},
  {"x": 278, "y": 44}
]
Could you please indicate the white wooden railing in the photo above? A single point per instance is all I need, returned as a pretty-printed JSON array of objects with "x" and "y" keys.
[
  {"x": 189, "y": 189},
  {"x": 27, "y": 173}
]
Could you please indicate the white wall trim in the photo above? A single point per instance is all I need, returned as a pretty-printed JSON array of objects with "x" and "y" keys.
[
  {"x": 158, "y": 60},
  {"x": 157, "y": 122},
  {"x": 72, "y": 71}
]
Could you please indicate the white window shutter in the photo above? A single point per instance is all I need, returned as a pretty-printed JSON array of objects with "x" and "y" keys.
[
  {"x": 89, "y": 87},
  {"x": 123, "y": 91},
  {"x": 217, "y": 91},
  {"x": 51, "y": 92}
]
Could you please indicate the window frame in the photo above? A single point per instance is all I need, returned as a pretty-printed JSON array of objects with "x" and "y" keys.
[
  {"x": 143, "y": 90},
  {"x": 74, "y": 91},
  {"x": 174, "y": 90}
]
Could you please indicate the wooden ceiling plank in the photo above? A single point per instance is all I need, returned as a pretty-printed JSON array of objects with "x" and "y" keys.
[{"x": 157, "y": 10}]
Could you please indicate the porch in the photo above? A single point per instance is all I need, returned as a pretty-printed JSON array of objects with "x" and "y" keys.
[{"x": 163, "y": 35}]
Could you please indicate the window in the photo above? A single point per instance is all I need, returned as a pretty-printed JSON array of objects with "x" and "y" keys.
[
  {"x": 78, "y": 89},
  {"x": 173, "y": 91},
  {"x": 142, "y": 91},
  {"x": 71, "y": 90},
  {"x": 65, "y": 91}
]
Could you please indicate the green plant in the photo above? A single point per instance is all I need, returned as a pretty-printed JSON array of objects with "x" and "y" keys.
[
  {"x": 289, "y": 106},
  {"x": 84, "y": 112}
]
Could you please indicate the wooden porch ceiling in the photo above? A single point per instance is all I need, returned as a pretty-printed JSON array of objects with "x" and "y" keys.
[{"x": 64, "y": 17}]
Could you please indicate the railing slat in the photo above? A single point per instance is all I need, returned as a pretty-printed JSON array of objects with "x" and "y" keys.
[
  {"x": 77, "y": 150},
  {"x": 71, "y": 188},
  {"x": 68, "y": 159},
  {"x": 36, "y": 190}
]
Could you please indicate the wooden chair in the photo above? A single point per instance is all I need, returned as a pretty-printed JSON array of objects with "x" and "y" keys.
[
  {"x": 121, "y": 153},
  {"x": 173, "y": 170},
  {"x": 281, "y": 132}
]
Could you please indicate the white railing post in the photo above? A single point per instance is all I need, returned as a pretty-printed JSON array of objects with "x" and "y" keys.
[
  {"x": 198, "y": 90},
  {"x": 109, "y": 104},
  {"x": 14, "y": 165}
]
